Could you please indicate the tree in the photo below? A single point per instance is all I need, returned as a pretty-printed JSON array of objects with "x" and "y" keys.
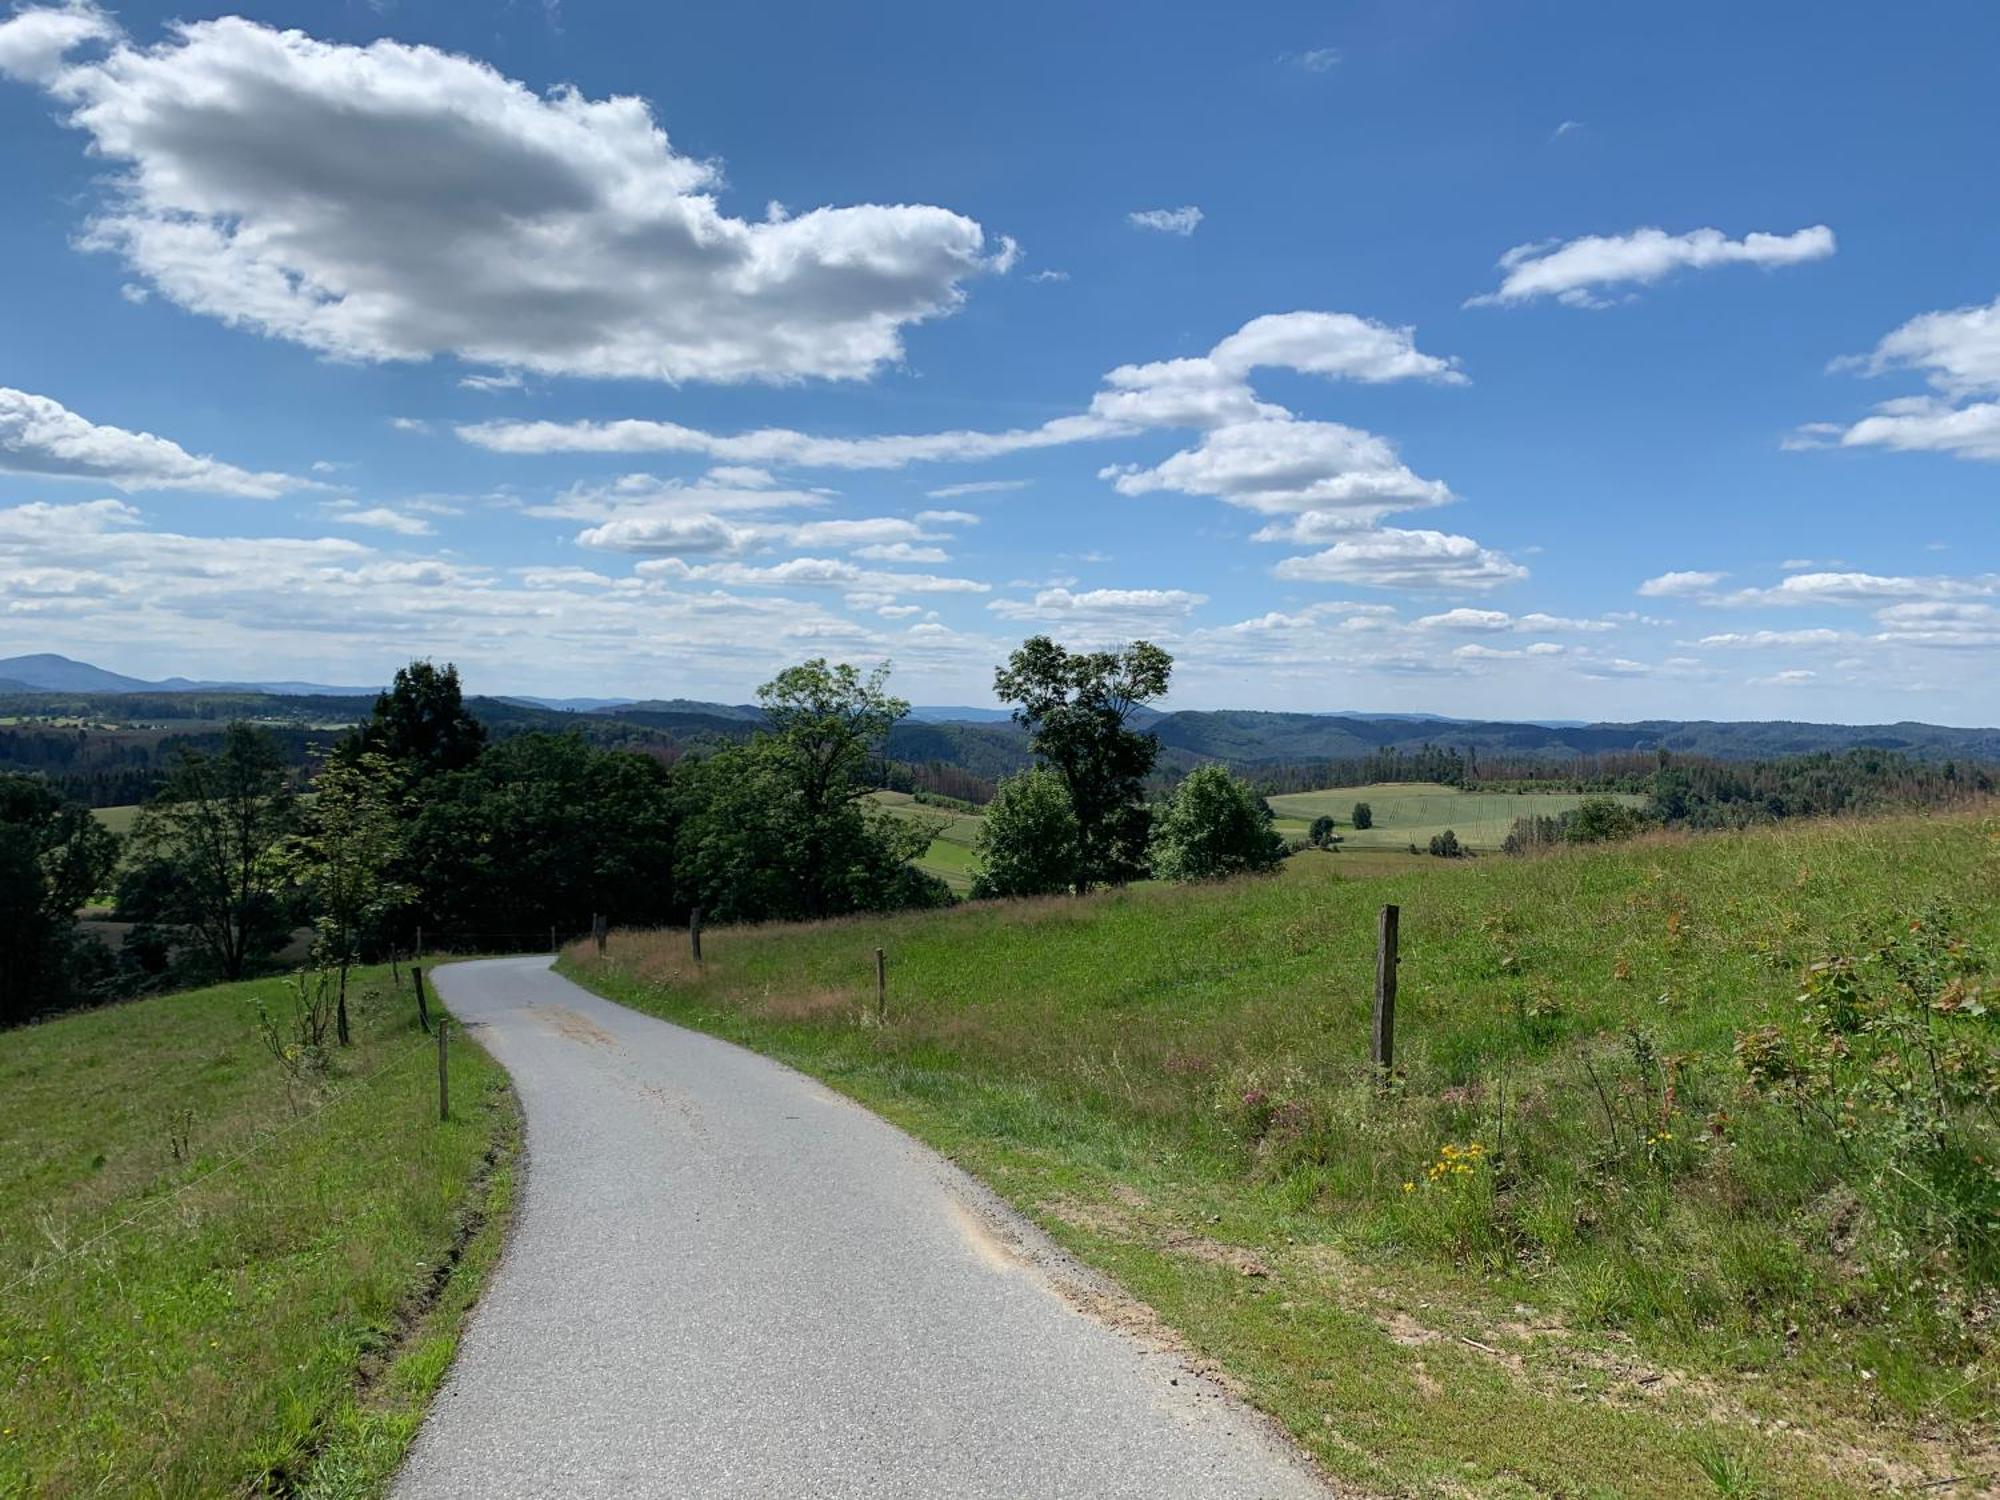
[
  {"x": 1321, "y": 835},
  {"x": 204, "y": 850},
  {"x": 344, "y": 856},
  {"x": 1027, "y": 844},
  {"x": 421, "y": 723},
  {"x": 823, "y": 725},
  {"x": 1215, "y": 826},
  {"x": 1446, "y": 845},
  {"x": 1077, "y": 707},
  {"x": 54, "y": 856},
  {"x": 1364, "y": 816},
  {"x": 542, "y": 829}
]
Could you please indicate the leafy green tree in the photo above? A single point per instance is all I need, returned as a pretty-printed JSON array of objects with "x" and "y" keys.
[
  {"x": 1320, "y": 834},
  {"x": 1364, "y": 816},
  {"x": 1446, "y": 845},
  {"x": 204, "y": 850},
  {"x": 542, "y": 829},
  {"x": 824, "y": 725},
  {"x": 1027, "y": 844},
  {"x": 1598, "y": 820},
  {"x": 54, "y": 856},
  {"x": 344, "y": 857},
  {"x": 422, "y": 723},
  {"x": 1077, "y": 706},
  {"x": 1214, "y": 826}
]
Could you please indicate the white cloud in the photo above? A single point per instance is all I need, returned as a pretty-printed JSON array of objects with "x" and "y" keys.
[
  {"x": 1680, "y": 585},
  {"x": 1761, "y": 638},
  {"x": 1405, "y": 559},
  {"x": 946, "y": 517},
  {"x": 978, "y": 487},
  {"x": 902, "y": 552},
  {"x": 810, "y": 572},
  {"x": 396, "y": 202},
  {"x": 1794, "y": 677},
  {"x": 1958, "y": 352},
  {"x": 1046, "y": 277},
  {"x": 42, "y": 436},
  {"x": 1572, "y": 273},
  {"x": 1568, "y": 127},
  {"x": 1061, "y": 603},
  {"x": 1975, "y": 626},
  {"x": 410, "y": 424},
  {"x": 1315, "y": 59},
  {"x": 1496, "y": 621},
  {"x": 507, "y": 381},
  {"x": 1865, "y": 588},
  {"x": 381, "y": 518},
  {"x": 1182, "y": 221},
  {"x": 1279, "y": 466}
]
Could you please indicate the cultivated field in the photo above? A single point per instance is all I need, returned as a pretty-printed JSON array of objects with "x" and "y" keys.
[
  {"x": 118, "y": 819},
  {"x": 213, "y": 1282},
  {"x": 950, "y": 854},
  {"x": 1572, "y": 1251},
  {"x": 1410, "y": 812}
]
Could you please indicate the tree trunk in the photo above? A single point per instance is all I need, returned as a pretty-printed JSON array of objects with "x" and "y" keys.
[{"x": 340, "y": 1006}]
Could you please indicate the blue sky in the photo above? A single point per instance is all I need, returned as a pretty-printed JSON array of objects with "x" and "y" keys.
[{"x": 1488, "y": 359}]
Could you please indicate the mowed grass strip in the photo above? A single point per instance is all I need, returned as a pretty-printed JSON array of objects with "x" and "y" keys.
[
  {"x": 213, "y": 1284},
  {"x": 1174, "y": 1082},
  {"x": 1410, "y": 812}
]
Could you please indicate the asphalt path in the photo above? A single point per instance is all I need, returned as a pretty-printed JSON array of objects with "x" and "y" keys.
[{"x": 724, "y": 1279}]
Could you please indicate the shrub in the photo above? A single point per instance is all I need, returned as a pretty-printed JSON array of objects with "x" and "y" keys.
[
  {"x": 1364, "y": 815},
  {"x": 1214, "y": 826},
  {"x": 1027, "y": 843},
  {"x": 1321, "y": 833},
  {"x": 1446, "y": 845}
]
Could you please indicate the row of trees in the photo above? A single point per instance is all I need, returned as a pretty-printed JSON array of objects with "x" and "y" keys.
[{"x": 416, "y": 820}]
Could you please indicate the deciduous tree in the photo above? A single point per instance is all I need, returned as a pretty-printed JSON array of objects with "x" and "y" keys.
[
  {"x": 1027, "y": 844},
  {"x": 1214, "y": 826}
]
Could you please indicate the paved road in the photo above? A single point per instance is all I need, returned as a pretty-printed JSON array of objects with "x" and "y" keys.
[{"x": 726, "y": 1280}]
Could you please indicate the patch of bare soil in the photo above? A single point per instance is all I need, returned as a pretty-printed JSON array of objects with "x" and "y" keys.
[{"x": 574, "y": 1025}]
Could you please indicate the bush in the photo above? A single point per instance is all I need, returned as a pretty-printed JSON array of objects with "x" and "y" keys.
[
  {"x": 1028, "y": 843},
  {"x": 1364, "y": 815},
  {"x": 1446, "y": 845},
  {"x": 1321, "y": 833},
  {"x": 1214, "y": 825}
]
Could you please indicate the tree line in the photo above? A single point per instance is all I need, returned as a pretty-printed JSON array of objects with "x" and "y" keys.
[{"x": 419, "y": 820}]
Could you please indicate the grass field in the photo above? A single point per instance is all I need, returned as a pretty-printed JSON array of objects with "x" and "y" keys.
[
  {"x": 118, "y": 819},
  {"x": 1570, "y": 1253},
  {"x": 213, "y": 1284},
  {"x": 1410, "y": 812},
  {"x": 950, "y": 854}
]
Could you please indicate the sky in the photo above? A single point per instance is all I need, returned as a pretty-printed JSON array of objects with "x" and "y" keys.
[{"x": 1510, "y": 360}]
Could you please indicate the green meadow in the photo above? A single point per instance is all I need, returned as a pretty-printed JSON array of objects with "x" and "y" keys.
[
  {"x": 219, "y": 1279},
  {"x": 1573, "y": 1246},
  {"x": 1410, "y": 812}
]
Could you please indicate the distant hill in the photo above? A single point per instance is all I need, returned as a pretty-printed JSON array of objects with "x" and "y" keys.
[{"x": 46, "y": 672}]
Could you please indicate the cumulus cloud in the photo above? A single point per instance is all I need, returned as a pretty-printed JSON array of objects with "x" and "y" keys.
[
  {"x": 42, "y": 436},
  {"x": 1958, "y": 353},
  {"x": 1182, "y": 221},
  {"x": 1278, "y": 466},
  {"x": 1391, "y": 558},
  {"x": 397, "y": 202},
  {"x": 1498, "y": 621},
  {"x": 1575, "y": 272},
  {"x": 1121, "y": 604},
  {"x": 380, "y": 518},
  {"x": 1865, "y": 588},
  {"x": 1686, "y": 583},
  {"x": 1751, "y": 639}
]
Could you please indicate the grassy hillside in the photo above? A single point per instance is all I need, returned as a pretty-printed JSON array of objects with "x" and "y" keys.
[
  {"x": 1410, "y": 812},
  {"x": 1572, "y": 1251},
  {"x": 215, "y": 1279}
]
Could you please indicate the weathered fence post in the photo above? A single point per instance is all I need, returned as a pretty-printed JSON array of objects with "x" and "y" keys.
[
  {"x": 600, "y": 927},
  {"x": 694, "y": 935},
  {"x": 881, "y": 985},
  {"x": 444, "y": 1070},
  {"x": 419, "y": 955},
  {"x": 423, "y": 1008},
  {"x": 1382, "y": 1046},
  {"x": 553, "y": 949}
]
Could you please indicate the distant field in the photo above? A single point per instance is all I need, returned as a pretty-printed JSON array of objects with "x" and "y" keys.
[
  {"x": 1406, "y": 812},
  {"x": 950, "y": 854},
  {"x": 118, "y": 819},
  {"x": 198, "y": 1261},
  {"x": 1410, "y": 812}
]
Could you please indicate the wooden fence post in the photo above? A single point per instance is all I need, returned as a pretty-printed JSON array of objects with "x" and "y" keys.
[
  {"x": 1383, "y": 1043},
  {"x": 600, "y": 927},
  {"x": 694, "y": 935},
  {"x": 553, "y": 949},
  {"x": 423, "y": 1008},
  {"x": 881, "y": 985},
  {"x": 420, "y": 943},
  {"x": 444, "y": 1070}
]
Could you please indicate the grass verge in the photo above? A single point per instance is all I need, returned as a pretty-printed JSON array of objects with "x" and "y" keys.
[
  {"x": 1573, "y": 1252},
  {"x": 216, "y": 1279}
]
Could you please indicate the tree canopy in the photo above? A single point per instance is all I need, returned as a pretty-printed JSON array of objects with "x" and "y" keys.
[
  {"x": 1077, "y": 708},
  {"x": 1027, "y": 842},
  {"x": 1214, "y": 826},
  {"x": 421, "y": 723},
  {"x": 54, "y": 856}
]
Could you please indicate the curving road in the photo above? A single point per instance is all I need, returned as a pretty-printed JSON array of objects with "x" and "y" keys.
[{"x": 726, "y": 1280}]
